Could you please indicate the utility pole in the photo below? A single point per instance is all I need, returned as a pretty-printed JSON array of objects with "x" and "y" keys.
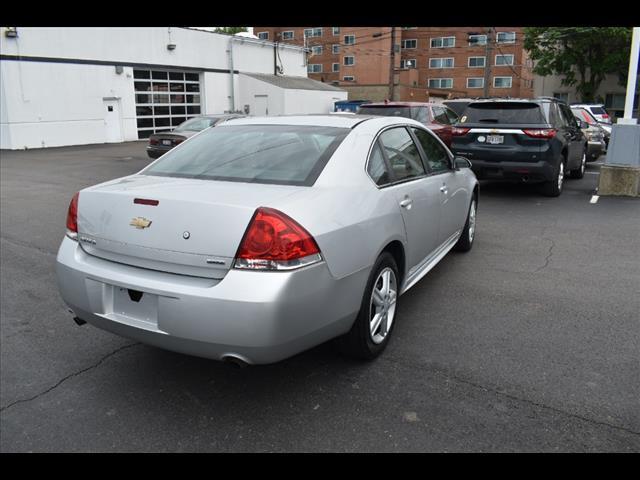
[
  {"x": 487, "y": 62},
  {"x": 275, "y": 57},
  {"x": 392, "y": 67}
]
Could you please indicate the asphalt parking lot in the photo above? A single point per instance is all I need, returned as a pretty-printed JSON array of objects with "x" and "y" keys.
[{"x": 530, "y": 342}]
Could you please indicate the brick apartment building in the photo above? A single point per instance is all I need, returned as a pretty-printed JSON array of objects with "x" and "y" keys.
[{"x": 430, "y": 63}]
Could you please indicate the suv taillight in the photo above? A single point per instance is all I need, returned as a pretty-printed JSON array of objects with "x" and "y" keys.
[
  {"x": 458, "y": 131},
  {"x": 153, "y": 141},
  {"x": 274, "y": 241},
  {"x": 540, "y": 132},
  {"x": 72, "y": 218}
]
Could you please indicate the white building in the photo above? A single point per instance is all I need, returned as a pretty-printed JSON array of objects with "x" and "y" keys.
[{"x": 73, "y": 86}]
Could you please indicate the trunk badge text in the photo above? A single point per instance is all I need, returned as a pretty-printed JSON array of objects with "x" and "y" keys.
[
  {"x": 186, "y": 235},
  {"x": 140, "y": 222}
]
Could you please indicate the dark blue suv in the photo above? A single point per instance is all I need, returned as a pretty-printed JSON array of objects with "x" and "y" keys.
[{"x": 529, "y": 140}]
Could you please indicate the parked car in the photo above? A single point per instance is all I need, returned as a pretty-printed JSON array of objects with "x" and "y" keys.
[
  {"x": 593, "y": 131},
  {"x": 263, "y": 237},
  {"x": 458, "y": 105},
  {"x": 161, "y": 143},
  {"x": 436, "y": 117},
  {"x": 527, "y": 140},
  {"x": 597, "y": 110}
]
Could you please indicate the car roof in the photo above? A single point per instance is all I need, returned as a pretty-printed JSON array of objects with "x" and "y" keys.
[
  {"x": 398, "y": 104},
  {"x": 321, "y": 120}
]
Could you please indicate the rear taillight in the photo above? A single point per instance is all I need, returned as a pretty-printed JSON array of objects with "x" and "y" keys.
[
  {"x": 178, "y": 140},
  {"x": 72, "y": 218},
  {"x": 153, "y": 141},
  {"x": 274, "y": 241},
  {"x": 605, "y": 115},
  {"x": 457, "y": 131},
  {"x": 540, "y": 132}
]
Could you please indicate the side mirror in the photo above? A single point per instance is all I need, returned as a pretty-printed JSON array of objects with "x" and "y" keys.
[{"x": 461, "y": 162}]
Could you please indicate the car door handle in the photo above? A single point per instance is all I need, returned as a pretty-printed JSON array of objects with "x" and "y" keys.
[
  {"x": 444, "y": 189},
  {"x": 406, "y": 203}
]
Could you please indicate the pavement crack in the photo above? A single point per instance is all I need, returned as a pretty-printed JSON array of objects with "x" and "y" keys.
[
  {"x": 549, "y": 255},
  {"x": 64, "y": 379},
  {"x": 502, "y": 393},
  {"x": 19, "y": 243}
]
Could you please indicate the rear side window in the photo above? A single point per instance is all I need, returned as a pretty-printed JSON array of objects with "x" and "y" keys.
[
  {"x": 440, "y": 116},
  {"x": 402, "y": 153},
  {"x": 377, "y": 168},
  {"x": 279, "y": 154},
  {"x": 453, "y": 118},
  {"x": 504, "y": 112}
]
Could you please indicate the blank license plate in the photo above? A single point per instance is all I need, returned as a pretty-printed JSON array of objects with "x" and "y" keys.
[
  {"x": 145, "y": 309},
  {"x": 495, "y": 139},
  {"x": 166, "y": 142}
]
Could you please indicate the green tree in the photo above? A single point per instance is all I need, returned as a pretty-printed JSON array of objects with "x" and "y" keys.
[
  {"x": 583, "y": 56},
  {"x": 230, "y": 30}
]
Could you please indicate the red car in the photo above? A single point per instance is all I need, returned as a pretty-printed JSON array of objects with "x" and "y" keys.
[{"x": 436, "y": 117}]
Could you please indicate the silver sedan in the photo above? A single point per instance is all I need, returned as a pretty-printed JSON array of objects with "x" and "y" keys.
[{"x": 264, "y": 237}]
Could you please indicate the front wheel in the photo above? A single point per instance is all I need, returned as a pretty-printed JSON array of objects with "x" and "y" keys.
[
  {"x": 372, "y": 328},
  {"x": 465, "y": 242}
]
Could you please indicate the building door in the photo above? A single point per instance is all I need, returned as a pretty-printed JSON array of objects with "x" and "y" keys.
[
  {"x": 112, "y": 123},
  {"x": 262, "y": 105}
]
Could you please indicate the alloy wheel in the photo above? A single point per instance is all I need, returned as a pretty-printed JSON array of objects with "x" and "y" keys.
[{"x": 382, "y": 306}]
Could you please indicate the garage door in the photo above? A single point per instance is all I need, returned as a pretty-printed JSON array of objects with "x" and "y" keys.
[{"x": 165, "y": 99}]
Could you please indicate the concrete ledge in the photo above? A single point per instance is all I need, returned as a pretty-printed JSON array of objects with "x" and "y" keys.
[{"x": 619, "y": 180}]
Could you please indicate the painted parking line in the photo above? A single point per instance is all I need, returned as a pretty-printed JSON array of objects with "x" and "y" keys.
[
  {"x": 594, "y": 199},
  {"x": 593, "y": 173}
]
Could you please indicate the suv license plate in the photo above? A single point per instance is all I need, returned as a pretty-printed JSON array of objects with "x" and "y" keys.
[
  {"x": 166, "y": 142},
  {"x": 495, "y": 139}
]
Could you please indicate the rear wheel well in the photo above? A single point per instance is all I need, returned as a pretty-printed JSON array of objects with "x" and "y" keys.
[{"x": 396, "y": 250}]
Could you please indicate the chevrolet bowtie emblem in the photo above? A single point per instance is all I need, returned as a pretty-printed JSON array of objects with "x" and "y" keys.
[{"x": 140, "y": 222}]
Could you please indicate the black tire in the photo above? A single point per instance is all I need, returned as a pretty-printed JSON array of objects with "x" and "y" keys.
[
  {"x": 553, "y": 188},
  {"x": 358, "y": 342},
  {"x": 579, "y": 172},
  {"x": 465, "y": 242}
]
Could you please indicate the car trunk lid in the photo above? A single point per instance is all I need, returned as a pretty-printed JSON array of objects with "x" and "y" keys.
[{"x": 183, "y": 226}]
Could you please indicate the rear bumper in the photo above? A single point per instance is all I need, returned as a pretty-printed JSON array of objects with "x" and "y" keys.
[
  {"x": 260, "y": 317},
  {"x": 594, "y": 150},
  {"x": 541, "y": 171},
  {"x": 157, "y": 152}
]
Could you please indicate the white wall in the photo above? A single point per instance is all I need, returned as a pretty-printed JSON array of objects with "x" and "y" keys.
[
  {"x": 54, "y": 104},
  {"x": 311, "y": 101},
  {"x": 249, "y": 87},
  {"x": 547, "y": 86}
]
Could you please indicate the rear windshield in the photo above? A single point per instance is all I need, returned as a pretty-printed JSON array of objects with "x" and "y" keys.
[
  {"x": 390, "y": 111},
  {"x": 598, "y": 111},
  {"x": 277, "y": 154},
  {"x": 457, "y": 107},
  {"x": 195, "y": 124},
  {"x": 503, "y": 112}
]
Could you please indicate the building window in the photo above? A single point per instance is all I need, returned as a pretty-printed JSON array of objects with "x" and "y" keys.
[
  {"x": 316, "y": 50},
  {"x": 477, "y": 40},
  {"x": 443, "y": 42},
  {"x": 348, "y": 61},
  {"x": 475, "y": 82},
  {"x": 313, "y": 32},
  {"x": 440, "y": 83},
  {"x": 506, "y": 37},
  {"x": 408, "y": 63},
  {"x": 477, "y": 62},
  {"x": 314, "y": 68},
  {"x": 411, "y": 43},
  {"x": 441, "y": 63},
  {"x": 335, "y": 67},
  {"x": 349, "y": 78},
  {"x": 506, "y": 59},
  {"x": 335, "y": 49},
  {"x": 287, "y": 35},
  {"x": 165, "y": 99},
  {"x": 335, "y": 30},
  {"x": 349, "y": 39},
  {"x": 502, "y": 82},
  {"x": 263, "y": 35},
  {"x": 564, "y": 97}
]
